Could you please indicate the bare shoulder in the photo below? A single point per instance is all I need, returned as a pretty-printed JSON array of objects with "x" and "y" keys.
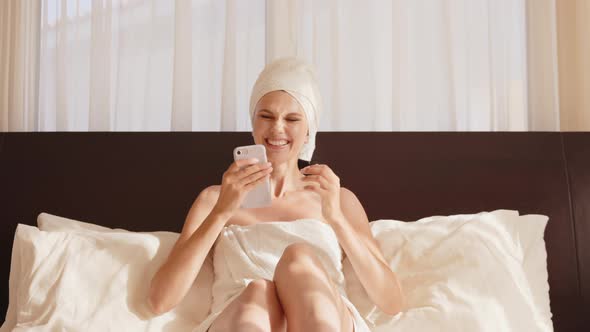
[
  {"x": 351, "y": 206},
  {"x": 347, "y": 196},
  {"x": 210, "y": 193},
  {"x": 200, "y": 208},
  {"x": 346, "y": 192}
]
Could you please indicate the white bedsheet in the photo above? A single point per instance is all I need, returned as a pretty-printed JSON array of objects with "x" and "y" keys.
[{"x": 483, "y": 272}]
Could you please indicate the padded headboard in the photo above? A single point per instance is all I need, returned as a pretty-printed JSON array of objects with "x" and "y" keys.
[{"x": 147, "y": 182}]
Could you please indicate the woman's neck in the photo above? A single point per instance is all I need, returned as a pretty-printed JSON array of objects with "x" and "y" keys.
[{"x": 285, "y": 177}]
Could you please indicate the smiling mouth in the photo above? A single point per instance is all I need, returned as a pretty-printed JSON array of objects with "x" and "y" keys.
[{"x": 276, "y": 144}]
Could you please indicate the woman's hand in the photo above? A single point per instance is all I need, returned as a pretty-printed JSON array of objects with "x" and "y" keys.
[
  {"x": 239, "y": 179},
  {"x": 322, "y": 180}
]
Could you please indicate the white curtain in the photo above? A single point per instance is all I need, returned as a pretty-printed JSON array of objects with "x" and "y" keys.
[
  {"x": 401, "y": 65},
  {"x": 427, "y": 64},
  {"x": 19, "y": 70},
  {"x": 151, "y": 65}
]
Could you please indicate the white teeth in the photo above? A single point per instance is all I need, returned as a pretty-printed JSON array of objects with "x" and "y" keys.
[{"x": 277, "y": 142}]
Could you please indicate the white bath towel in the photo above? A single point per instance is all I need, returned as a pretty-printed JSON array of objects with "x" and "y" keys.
[{"x": 246, "y": 253}]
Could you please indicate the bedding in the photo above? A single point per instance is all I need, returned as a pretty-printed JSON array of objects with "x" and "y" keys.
[
  {"x": 484, "y": 272},
  {"x": 81, "y": 276},
  {"x": 480, "y": 272}
]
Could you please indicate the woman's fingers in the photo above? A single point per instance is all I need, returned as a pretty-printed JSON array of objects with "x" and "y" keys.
[
  {"x": 324, "y": 184},
  {"x": 314, "y": 186},
  {"x": 249, "y": 170},
  {"x": 321, "y": 169},
  {"x": 254, "y": 176},
  {"x": 236, "y": 165},
  {"x": 251, "y": 185},
  {"x": 242, "y": 170}
]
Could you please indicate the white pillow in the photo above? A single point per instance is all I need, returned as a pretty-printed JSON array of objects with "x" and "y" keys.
[
  {"x": 15, "y": 267},
  {"x": 120, "y": 265},
  {"x": 445, "y": 263},
  {"x": 202, "y": 287},
  {"x": 52, "y": 223},
  {"x": 203, "y": 283}
]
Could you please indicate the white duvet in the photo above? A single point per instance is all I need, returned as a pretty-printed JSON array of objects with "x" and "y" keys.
[{"x": 480, "y": 272}]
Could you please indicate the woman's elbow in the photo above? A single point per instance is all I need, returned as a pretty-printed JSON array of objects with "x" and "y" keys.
[
  {"x": 156, "y": 306},
  {"x": 394, "y": 304},
  {"x": 156, "y": 302},
  {"x": 394, "y": 309}
]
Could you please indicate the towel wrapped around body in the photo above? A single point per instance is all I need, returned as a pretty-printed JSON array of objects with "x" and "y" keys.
[{"x": 246, "y": 253}]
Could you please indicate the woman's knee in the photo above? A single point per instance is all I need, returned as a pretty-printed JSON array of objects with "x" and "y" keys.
[
  {"x": 259, "y": 288},
  {"x": 300, "y": 252},
  {"x": 263, "y": 292},
  {"x": 300, "y": 260},
  {"x": 256, "y": 308}
]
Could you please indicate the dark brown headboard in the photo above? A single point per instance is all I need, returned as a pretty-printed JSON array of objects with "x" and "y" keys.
[{"x": 147, "y": 182}]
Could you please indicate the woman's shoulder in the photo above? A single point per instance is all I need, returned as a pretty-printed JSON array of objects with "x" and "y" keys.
[
  {"x": 346, "y": 193},
  {"x": 212, "y": 189},
  {"x": 210, "y": 194},
  {"x": 349, "y": 201}
]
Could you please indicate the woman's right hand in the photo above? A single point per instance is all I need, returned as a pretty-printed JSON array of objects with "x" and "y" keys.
[{"x": 239, "y": 179}]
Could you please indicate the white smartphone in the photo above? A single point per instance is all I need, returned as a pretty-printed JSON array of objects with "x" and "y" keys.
[{"x": 260, "y": 195}]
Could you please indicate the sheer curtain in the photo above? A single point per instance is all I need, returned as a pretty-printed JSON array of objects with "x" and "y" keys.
[
  {"x": 574, "y": 63},
  {"x": 19, "y": 70},
  {"x": 401, "y": 65},
  {"x": 427, "y": 65},
  {"x": 154, "y": 65}
]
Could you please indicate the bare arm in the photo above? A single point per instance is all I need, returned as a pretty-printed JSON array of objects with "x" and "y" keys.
[
  {"x": 175, "y": 277},
  {"x": 208, "y": 215},
  {"x": 343, "y": 211},
  {"x": 355, "y": 237}
]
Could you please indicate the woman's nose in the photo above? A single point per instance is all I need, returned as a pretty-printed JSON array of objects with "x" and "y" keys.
[{"x": 278, "y": 126}]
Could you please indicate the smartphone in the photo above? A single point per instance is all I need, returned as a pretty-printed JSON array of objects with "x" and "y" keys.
[{"x": 260, "y": 195}]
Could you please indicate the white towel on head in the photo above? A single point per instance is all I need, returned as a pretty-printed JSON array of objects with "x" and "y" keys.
[{"x": 297, "y": 78}]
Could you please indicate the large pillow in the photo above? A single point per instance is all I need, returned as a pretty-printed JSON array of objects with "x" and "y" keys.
[
  {"x": 13, "y": 279},
  {"x": 202, "y": 286},
  {"x": 80, "y": 273},
  {"x": 476, "y": 272}
]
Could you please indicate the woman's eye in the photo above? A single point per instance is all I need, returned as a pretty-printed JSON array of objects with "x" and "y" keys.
[
  {"x": 292, "y": 119},
  {"x": 265, "y": 117}
]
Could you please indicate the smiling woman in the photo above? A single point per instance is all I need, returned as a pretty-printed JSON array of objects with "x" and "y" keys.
[
  {"x": 292, "y": 279},
  {"x": 281, "y": 125},
  {"x": 293, "y": 101}
]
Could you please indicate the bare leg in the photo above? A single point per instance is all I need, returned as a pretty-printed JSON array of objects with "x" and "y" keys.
[
  {"x": 256, "y": 309},
  {"x": 310, "y": 300}
]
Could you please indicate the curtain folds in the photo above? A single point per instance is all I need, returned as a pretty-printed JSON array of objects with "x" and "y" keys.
[
  {"x": 19, "y": 63},
  {"x": 189, "y": 65}
]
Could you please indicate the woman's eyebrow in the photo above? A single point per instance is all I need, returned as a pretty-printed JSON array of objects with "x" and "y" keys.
[{"x": 267, "y": 111}]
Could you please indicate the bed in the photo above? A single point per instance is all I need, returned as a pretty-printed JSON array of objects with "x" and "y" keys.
[{"x": 147, "y": 182}]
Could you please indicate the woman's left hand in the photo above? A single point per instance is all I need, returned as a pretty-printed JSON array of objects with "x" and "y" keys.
[{"x": 322, "y": 180}]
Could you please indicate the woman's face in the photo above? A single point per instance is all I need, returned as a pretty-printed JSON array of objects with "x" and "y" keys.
[{"x": 280, "y": 125}]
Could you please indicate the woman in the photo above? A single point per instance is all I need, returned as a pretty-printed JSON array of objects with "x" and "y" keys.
[{"x": 305, "y": 290}]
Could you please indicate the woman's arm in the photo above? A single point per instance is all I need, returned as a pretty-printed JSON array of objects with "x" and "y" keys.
[
  {"x": 357, "y": 241},
  {"x": 208, "y": 215},
  {"x": 175, "y": 277},
  {"x": 343, "y": 211}
]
